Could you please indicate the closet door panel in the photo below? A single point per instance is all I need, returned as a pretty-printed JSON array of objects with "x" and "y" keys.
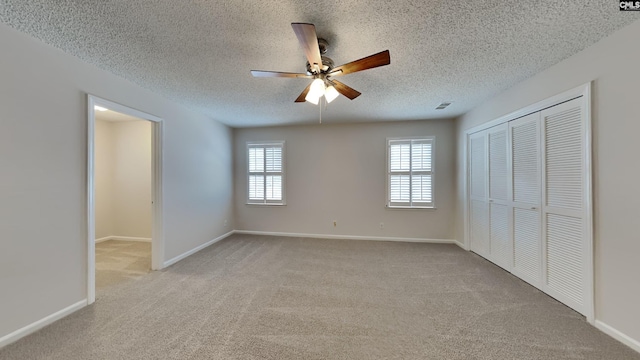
[
  {"x": 564, "y": 170},
  {"x": 527, "y": 196},
  {"x": 498, "y": 173},
  {"x": 499, "y": 235},
  {"x": 565, "y": 262},
  {"x": 565, "y": 241},
  {"x": 525, "y": 148},
  {"x": 527, "y": 245},
  {"x": 478, "y": 205},
  {"x": 480, "y": 228},
  {"x": 478, "y": 165}
]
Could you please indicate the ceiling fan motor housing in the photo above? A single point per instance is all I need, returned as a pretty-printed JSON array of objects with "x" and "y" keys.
[
  {"x": 327, "y": 65},
  {"x": 323, "y": 45}
]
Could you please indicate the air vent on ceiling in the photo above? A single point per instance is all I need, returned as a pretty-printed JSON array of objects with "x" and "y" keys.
[{"x": 443, "y": 105}]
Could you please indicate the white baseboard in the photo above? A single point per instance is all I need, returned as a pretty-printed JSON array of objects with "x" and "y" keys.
[
  {"x": 104, "y": 239},
  {"x": 123, "y": 238},
  {"x": 193, "y": 251},
  {"x": 33, "y": 327},
  {"x": 347, "y": 237},
  {"x": 463, "y": 246},
  {"x": 618, "y": 335}
]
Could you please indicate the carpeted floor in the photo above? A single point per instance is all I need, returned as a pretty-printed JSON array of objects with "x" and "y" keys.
[
  {"x": 252, "y": 297},
  {"x": 120, "y": 261}
]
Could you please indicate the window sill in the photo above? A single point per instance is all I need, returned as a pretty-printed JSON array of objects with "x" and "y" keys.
[
  {"x": 262, "y": 204},
  {"x": 410, "y": 207}
]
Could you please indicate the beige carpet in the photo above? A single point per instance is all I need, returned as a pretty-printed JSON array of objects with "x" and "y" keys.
[
  {"x": 251, "y": 297},
  {"x": 121, "y": 261}
]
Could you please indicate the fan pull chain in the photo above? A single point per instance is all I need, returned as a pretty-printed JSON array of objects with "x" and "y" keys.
[{"x": 320, "y": 110}]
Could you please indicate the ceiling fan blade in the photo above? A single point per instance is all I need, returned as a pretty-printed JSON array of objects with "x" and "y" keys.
[
  {"x": 308, "y": 39},
  {"x": 345, "y": 90},
  {"x": 260, "y": 73},
  {"x": 303, "y": 94},
  {"x": 369, "y": 62}
]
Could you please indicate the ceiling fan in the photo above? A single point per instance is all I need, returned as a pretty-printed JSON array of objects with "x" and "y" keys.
[{"x": 321, "y": 70}]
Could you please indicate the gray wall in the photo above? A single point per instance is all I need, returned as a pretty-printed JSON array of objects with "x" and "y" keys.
[
  {"x": 43, "y": 142},
  {"x": 612, "y": 64},
  {"x": 338, "y": 172},
  {"x": 104, "y": 184},
  {"x": 123, "y": 178}
]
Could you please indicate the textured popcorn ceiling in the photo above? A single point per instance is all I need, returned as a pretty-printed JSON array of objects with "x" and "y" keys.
[{"x": 199, "y": 52}]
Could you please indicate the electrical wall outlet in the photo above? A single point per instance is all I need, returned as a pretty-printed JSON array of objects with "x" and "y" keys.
[
  {"x": 335, "y": 223},
  {"x": 226, "y": 223},
  {"x": 381, "y": 225}
]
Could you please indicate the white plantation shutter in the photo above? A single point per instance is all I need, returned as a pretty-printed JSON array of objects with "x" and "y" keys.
[
  {"x": 265, "y": 170},
  {"x": 410, "y": 172}
]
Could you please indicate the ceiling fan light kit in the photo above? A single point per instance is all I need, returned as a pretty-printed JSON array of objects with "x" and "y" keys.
[
  {"x": 315, "y": 91},
  {"x": 330, "y": 93},
  {"x": 321, "y": 70}
]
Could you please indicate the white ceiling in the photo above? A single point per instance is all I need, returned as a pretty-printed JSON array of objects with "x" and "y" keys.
[{"x": 200, "y": 52}]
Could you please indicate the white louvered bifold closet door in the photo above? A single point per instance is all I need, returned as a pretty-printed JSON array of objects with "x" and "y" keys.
[
  {"x": 529, "y": 200},
  {"x": 526, "y": 194},
  {"x": 500, "y": 241},
  {"x": 478, "y": 195},
  {"x": 564, "y": 223}
]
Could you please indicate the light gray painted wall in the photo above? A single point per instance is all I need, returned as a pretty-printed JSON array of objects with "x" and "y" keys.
[
  {"x": 104, "y": 168},
  {"x": 338, "y": 172},
  {"x": 123, "y": 178},
  {"x": 43, "y": 142},
  {"x": 612, "y": 64},
  {"x": 132, "y": 179}
]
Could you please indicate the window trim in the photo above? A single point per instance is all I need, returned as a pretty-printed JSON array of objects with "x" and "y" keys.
[
  {"x": 282, "y": 173},
  {"x": 433, "y": 173}
]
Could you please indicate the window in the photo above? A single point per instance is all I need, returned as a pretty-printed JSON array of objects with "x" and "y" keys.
[
  {"x": 410, "y": 172},
  {"x": 265, "y": 173}
]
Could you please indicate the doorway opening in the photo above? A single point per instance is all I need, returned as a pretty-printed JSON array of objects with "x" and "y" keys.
[{"x": 124, "y": 188}]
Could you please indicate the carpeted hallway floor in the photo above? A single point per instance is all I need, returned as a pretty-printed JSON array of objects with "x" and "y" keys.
[
  {"x": 253, "y": 297},
  {"x": 120, "y": 261}
]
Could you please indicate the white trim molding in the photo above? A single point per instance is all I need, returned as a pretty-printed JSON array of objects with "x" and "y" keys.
[
  {"x": 33, "y": 327},
  {"x": 195, "y": 250},
  {"x": 347, "y": 237},
  {"x": 461, "y": 245},
  {"x": 618, "y": 335},
  {"x": 123, "y": 238},
  {"x": 102, "y": 239}
]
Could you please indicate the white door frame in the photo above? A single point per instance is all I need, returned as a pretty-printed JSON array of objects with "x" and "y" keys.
[{"x": 157, "y": 233}]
